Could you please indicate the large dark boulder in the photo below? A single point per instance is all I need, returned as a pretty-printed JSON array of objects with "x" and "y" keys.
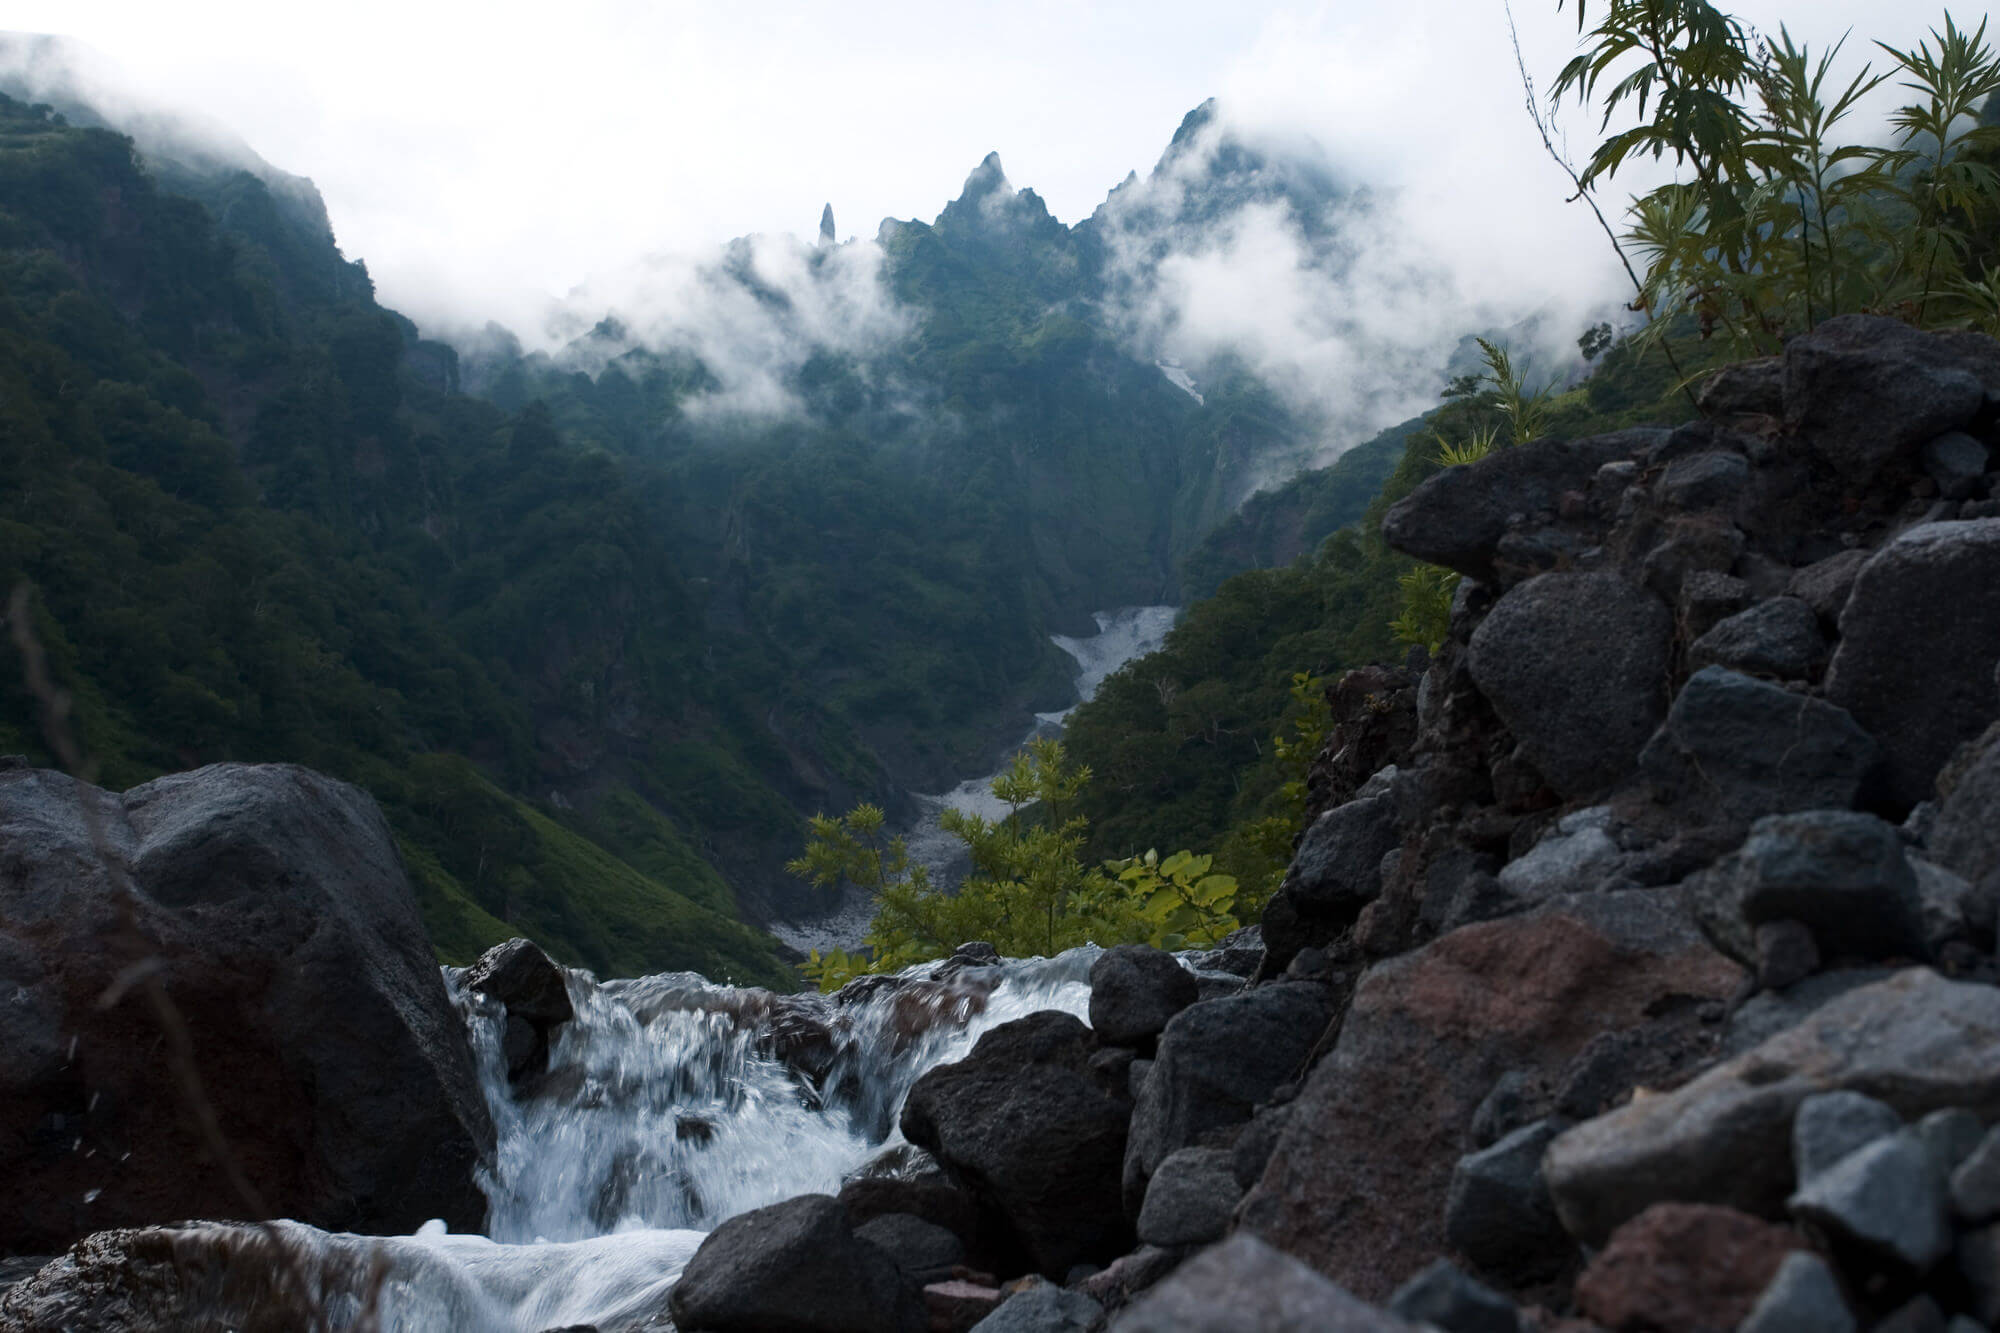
[
  {"x": 1360, "y": 1181},
  {"x": 1919, "y": 638},
  {"x": 1778, "y": 637},
  {"x": 1733, "y": 749},
  {"x": 1966, "y": 837},
  {"x": 1336, "y": 872},
  {"x": 1036, "y": 1135},
  {"x": 1576, "y": 666},
  {"x": 1867, "y": 392},
  {"x": 1134, "y": 990},
  {"x": 276, "y": 913},
  {"x": 1458, "y": 517},
  {"x": 1218, "y": 1061},
  {"x": 530, "y": 988},
  {"x": 1840, "y": 872},
  {"x": 794, "y": 1267}
]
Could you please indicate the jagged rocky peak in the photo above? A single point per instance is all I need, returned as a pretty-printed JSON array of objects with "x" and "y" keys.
[
  {"x": 827, "y": 234},
  {"x": 990, "y": 204}
]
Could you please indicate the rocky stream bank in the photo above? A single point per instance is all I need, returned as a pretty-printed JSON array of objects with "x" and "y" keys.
[{"x": 1636, "y": 973}]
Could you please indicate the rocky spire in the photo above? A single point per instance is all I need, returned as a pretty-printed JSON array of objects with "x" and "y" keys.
[{"x": 826, "y": 233}]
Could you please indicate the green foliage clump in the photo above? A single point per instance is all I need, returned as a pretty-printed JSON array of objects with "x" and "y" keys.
[
  {"x": 1775, "y": 223},
  {"x": 1029, "y": 890}
]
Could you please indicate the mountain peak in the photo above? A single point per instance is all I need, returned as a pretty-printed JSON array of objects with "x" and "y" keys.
[{"x": 826, "y": 231}]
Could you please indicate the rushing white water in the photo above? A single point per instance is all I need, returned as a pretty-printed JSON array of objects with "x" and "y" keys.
[{"x": 671, "y": 1103}]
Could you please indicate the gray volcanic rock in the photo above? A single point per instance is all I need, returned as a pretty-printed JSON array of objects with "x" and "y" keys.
[
  {"x": 1244, "y": 1283},
  {"x": 1459, "y": 517},
  {"x": 1919, "y": 640},
  {"x": 1734, "y": 748},
  {"x": 1867, "y": 391},
  {"x": 1966, "y": 836},
  {"x": 1499, "y": 1213},
  {"x": 1841, "y": 872},
  {"x": 1803, "y": 1298},
  {"x": 1336, "y": 872},
  {"x": 1831, "y": 1125},
  {"x": 1134, "y": 990},
  {"x": 1360, "y": 1181},
  {"x": 1914, "y": 1041},
  {"x": 1218, "y": 1061},
  {"x": 1035, "y": 1134},
  {"x": 1189, "y": 1199},
  {"x": 1044, "y": 1308},
  {"x": 1826, "y": 584},
  {"x": 794, "y": 1267},
  {"x": 1748, "y": 388},
  {"x": 1778, "y": 637},
  {"x": 1446, "y": 1298},
  {"x": 1887, "y": 1197},
  {"x": 287, "y": 938},
  {"x": 1576, "y": 666}
]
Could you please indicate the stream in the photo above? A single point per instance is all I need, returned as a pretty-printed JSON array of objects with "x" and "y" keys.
[{"x": 1122, "y": 635}]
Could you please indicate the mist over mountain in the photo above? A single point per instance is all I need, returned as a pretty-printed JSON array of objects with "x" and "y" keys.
[{"x": 727, "y": 539}]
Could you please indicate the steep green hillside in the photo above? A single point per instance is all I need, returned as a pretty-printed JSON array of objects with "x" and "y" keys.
[
  {"x": 1181, "y": 740},
  {"x": 219, "y": 480}
]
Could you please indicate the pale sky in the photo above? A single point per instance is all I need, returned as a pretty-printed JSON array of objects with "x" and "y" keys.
[{"x": 482, "y": 157}]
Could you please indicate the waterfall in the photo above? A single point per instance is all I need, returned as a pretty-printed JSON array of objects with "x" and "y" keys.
[{"x": 672, "y": 1103}]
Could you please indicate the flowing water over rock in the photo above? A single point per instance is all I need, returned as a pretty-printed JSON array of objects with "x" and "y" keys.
[{"x": 668, "y": 1106}]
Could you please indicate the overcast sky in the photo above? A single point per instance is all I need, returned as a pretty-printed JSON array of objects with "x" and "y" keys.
[{"x": 480, "y": 157}]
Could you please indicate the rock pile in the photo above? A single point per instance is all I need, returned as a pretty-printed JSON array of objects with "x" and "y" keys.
[{"x": 1636, "y": 972}]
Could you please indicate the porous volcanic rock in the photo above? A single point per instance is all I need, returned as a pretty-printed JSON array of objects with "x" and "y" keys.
[
  {"x": 1243, "y": 1283},
  {"x": 272, "y": 902},
  {"x": 1915, "y": 1041},
  {"x": 1576, "y": 666},
  {"x": 1683, "y": 1268},
  {"x": 794, "y": 1267},
  {"x": 1359, "y": 1182},
  {"x": 1036, "y": 1135}
]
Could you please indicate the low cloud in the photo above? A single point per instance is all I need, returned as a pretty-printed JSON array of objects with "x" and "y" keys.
[{"x": 754, "y": 316}]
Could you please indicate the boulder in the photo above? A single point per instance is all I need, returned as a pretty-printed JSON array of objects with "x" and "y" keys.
[
  {"x": 1711, "y": 480},
  {"x": 1831, "y": 1125},
  {"x": 273, "y": 904},
  {"x": 1733, "y": 748},
  {"x": 1336, "y": 872},
  {"x": 1867, "y": 392},
  {"x": 1825, "y": 584},
  {"x": 1190, "y": 1198},
  {"x": 1886, "y": 1198},
  {"x": 1746, "y": 388},
  {"x": 1445, "y": 1298},
  {"x": 1219, "y": 1060},
  {"x": 1458, "y": 517},
  {"x": 924, "y": 1251},
  {"x": 794, "y": 1267},
  {"x": 1778, "y": 637},
  {"x": 1498, "y": 1212},
  {"x": 1682, "y": 1268},
  {"x": 1966, "y": 835},
  {"x": 1919, "y": 639},
  {"x": 1035, "y": 1135},
  {"x": 1915, "y": 1041},
  {"x": 1043, "y": 1307},
  {"x": 531, "y": 988},
  {"x": 1578, "y": 854},
  {"x": 1840, "y": 872},
  {"x": 1975, "y": 1183},
  {"x": 1576, "y": 666},
  {"x": 1957, "y": 463},
  {"x": 1804, "y": 1297},
  {"x": 1134, "y": 990},
  {"x": 1360, "y": 1180},
  {"x": 1244, "y": 1283},
  {"x": 1707, "y": 598}
]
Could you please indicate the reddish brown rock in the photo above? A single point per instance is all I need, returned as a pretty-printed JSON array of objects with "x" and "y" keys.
[
  {"x": 1683, "y": 1268},
  {"x": 1357, "y": 1185},
  {"x": 955, "y": 1306}
]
